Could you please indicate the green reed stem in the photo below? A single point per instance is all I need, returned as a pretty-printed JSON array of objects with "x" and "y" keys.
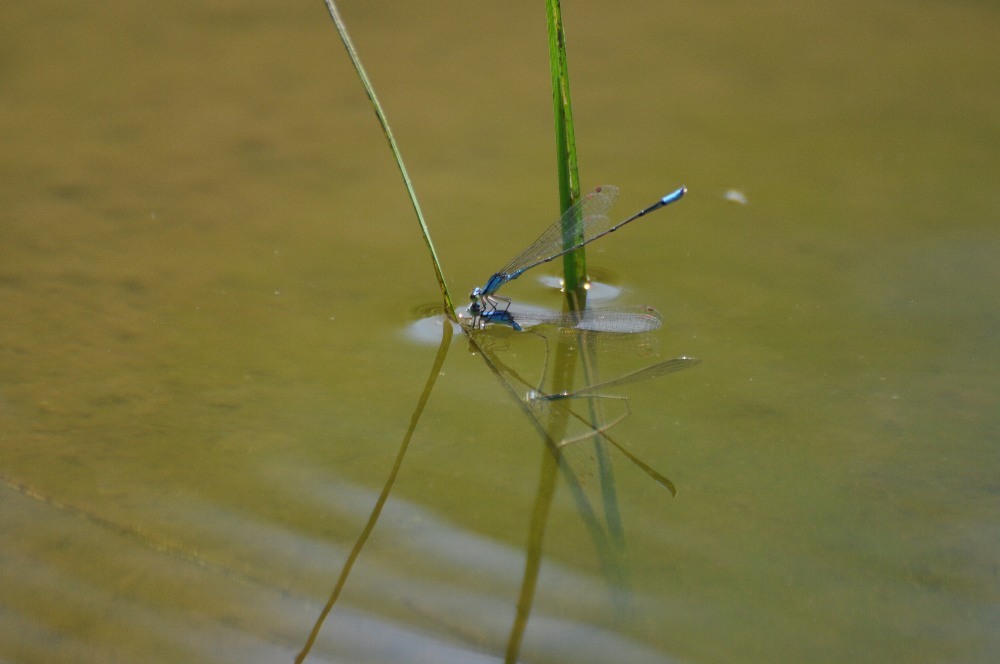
[
  {"x": 370, "y": 91},
  {"x": 574, "y": 263}
]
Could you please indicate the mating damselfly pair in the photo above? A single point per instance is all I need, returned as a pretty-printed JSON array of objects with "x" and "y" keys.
[{"x": 590, "y": 214}]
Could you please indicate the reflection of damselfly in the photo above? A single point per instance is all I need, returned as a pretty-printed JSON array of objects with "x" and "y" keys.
[
  {"x": 652, "y": 371},
  {"x": 595, "y": 390},
  {"x": 539, "y": 399},
  {"x": 589, "y": 214}
]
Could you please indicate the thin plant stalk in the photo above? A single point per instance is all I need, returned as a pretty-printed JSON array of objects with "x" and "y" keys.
[{"x": 397, "y": 155}]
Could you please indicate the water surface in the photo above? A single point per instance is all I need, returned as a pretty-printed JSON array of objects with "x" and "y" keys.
[{"x": 208, "y": 265}]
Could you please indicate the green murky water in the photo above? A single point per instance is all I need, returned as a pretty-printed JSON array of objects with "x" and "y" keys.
[{"x": 208, "y": 267}]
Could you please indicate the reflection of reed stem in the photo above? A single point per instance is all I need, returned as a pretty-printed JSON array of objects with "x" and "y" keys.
[
  {"x": 562, "y": 378},
  {"x": 609, "y": 494},
  {"x": 533, "y": 561},
  {"x": 447, "y": 332}
]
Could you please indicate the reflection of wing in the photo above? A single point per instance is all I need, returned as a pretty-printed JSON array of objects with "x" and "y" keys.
[{"x": 653, "y": 371}]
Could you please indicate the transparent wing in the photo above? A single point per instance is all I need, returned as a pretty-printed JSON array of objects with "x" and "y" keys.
[{"x": 592, "y": 209}]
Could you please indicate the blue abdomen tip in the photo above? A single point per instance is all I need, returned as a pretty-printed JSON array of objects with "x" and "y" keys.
[{"x": 673, "y": 196}]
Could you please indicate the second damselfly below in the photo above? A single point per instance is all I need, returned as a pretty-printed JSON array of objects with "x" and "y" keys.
[
  {"x": 590, "y": 213},
  {"x": 617, "y": 320}
]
